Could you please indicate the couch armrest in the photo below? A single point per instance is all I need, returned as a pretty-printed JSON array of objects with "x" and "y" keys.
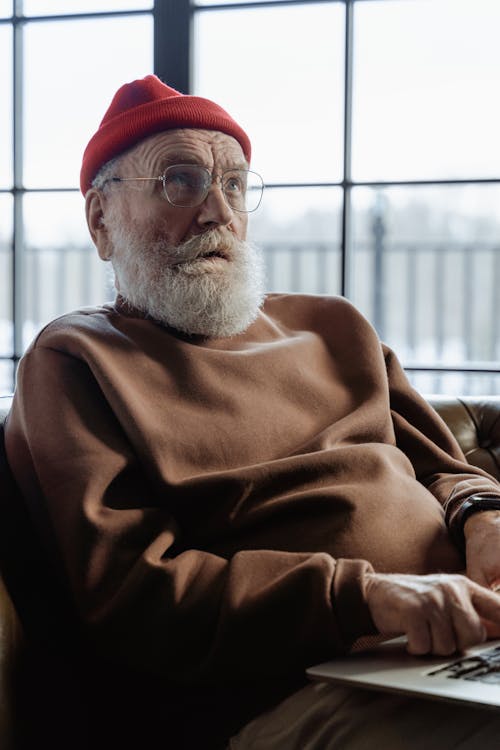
[
  {"x": 11, "y": 644},
  {"x": 475, "y": 422}
]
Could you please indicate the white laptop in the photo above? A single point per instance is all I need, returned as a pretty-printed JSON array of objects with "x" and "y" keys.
[{"x": 472, "y": 677}]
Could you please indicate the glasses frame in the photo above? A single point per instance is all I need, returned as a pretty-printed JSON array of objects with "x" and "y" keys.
[{"x": 212, "y": 178}]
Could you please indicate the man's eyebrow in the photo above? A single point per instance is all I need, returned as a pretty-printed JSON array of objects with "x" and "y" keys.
[
  {"x": 238, "y": 165},
  {"x": 180, "y": 158}
]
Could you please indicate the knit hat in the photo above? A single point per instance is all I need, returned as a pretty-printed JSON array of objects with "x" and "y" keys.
[{"x": 146, "y": 106}]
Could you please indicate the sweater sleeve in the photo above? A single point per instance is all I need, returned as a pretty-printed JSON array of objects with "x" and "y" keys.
[
  {"x": 437, "y": 458},
  {"x": 143, "y": 598}
]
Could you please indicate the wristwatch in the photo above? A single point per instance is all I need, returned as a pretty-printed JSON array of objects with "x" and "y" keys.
[{"x": 473, "y": 504}]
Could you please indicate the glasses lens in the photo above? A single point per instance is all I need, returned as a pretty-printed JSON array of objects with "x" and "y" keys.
[
  {"x": 243, "y": 189},
  {"x": 186, "y": 184}
]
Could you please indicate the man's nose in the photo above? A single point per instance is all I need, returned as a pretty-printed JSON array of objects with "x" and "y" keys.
[{"x": 215, "y": 211}]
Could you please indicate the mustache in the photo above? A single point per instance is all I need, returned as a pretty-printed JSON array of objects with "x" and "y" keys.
[{"x": 214, "y": 242}]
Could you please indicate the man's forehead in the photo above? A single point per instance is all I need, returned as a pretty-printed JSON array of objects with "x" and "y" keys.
[{"x": 188, "y": 145}]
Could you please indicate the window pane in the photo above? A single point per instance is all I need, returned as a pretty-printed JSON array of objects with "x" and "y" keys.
[
  {"x": 6, "y": 378},
  {"x": 62, "y": 270},
  {"x": 6, "y": 107},
  {"x": 6, "y": 276},
  {"x": 5, "y": 8},
  {"x": 282, "y": 81},
  {"x": 455, "y": 383},
  {"x": 51, "y": 7},
  {"x": 426, "y": 270},
  {"x": 426, "y": 79},
  {"x": 63, "y": 111},
  {"x": 299, "y": 231}
]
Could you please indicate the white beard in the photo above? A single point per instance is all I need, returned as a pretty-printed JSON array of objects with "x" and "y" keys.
[{"x": 181, "y": 288}]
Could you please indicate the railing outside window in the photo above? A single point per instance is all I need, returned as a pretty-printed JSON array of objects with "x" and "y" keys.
[{"x": 437, "y": 338}]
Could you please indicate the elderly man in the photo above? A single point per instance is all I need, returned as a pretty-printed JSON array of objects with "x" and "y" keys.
[{"x": 233, "y": 486}]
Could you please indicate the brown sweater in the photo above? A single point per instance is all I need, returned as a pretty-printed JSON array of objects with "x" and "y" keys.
[{"x": 214, "y": 505}]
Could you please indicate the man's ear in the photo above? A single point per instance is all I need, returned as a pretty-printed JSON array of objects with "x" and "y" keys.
[{"x": 94, "y": 211}]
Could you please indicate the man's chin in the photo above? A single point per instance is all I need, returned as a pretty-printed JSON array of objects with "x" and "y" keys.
[
  {"x": 206, "y": 264},
  {"x": 215, "y": 293}
]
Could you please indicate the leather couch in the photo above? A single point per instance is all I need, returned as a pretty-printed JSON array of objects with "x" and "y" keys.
[{"x": 475, "y": 422}]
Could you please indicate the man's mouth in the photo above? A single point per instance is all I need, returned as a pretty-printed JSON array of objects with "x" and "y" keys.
[
  {"x": 212, "y": 246},
  {"x": 214, "y": 254}
]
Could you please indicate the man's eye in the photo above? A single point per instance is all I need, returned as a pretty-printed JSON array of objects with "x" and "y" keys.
[
  {"x": 234, "y": 185},
  {"x": 181, "y": 180}
]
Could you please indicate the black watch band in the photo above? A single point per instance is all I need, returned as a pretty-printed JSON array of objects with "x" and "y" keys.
[{"x": 473, "y": 504}]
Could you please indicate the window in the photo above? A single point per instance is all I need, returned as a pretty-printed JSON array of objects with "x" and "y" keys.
[
  {"x": 58, "y": 71},
  {"x": 373, "y": 122}
]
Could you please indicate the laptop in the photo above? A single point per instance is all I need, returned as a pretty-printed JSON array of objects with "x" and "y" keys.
[{"x": 471, "y": 678}]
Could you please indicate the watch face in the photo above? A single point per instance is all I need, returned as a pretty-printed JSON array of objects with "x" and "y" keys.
[
  {"x": 485, "y": 502},
  {"x": 478, "y": 503}
]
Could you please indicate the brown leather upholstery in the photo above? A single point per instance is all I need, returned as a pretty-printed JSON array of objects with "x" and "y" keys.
[{"x": 475, "y": 421}]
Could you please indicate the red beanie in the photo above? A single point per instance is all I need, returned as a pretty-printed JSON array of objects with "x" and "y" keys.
[{"x": 148, "y": 106}]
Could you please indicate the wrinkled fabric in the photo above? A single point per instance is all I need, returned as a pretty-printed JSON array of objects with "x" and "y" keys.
[
  {"x": 322, "y": 716},
  {"x": 215, "y": 505}
]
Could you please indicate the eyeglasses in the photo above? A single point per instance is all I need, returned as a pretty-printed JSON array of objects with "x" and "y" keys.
[{"x": 187, "y": 185}]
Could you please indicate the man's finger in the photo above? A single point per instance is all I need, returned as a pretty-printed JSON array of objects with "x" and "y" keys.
[
  {"x": 419, "y": 638},
  {"x": 492, "y": 628},
  {"x": 486, "y": 603},
  {"x": 445, "y": 639},
  {"x": 477, "y": 576},
  {"x": 466, "y": 621}
]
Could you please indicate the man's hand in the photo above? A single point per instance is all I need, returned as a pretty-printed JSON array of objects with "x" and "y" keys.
[
  {"x": 440, "y": 614},
  {"x": 482, "y": 547}
]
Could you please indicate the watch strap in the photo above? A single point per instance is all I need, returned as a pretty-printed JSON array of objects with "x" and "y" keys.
[{"x": 473, "y": 504}]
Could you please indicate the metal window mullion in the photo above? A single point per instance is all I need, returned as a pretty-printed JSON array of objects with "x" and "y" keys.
[
  {"x": 387, "y": 183},
  {"x": 465, "y": 368},
  {"x": 18, "y": 149},
  {"x": 347, "y": 166},
  {"x": 172, "y": 43}
]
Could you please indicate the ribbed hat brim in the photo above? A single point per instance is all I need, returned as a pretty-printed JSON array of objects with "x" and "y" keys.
[{"x": 119, "y": 132}]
